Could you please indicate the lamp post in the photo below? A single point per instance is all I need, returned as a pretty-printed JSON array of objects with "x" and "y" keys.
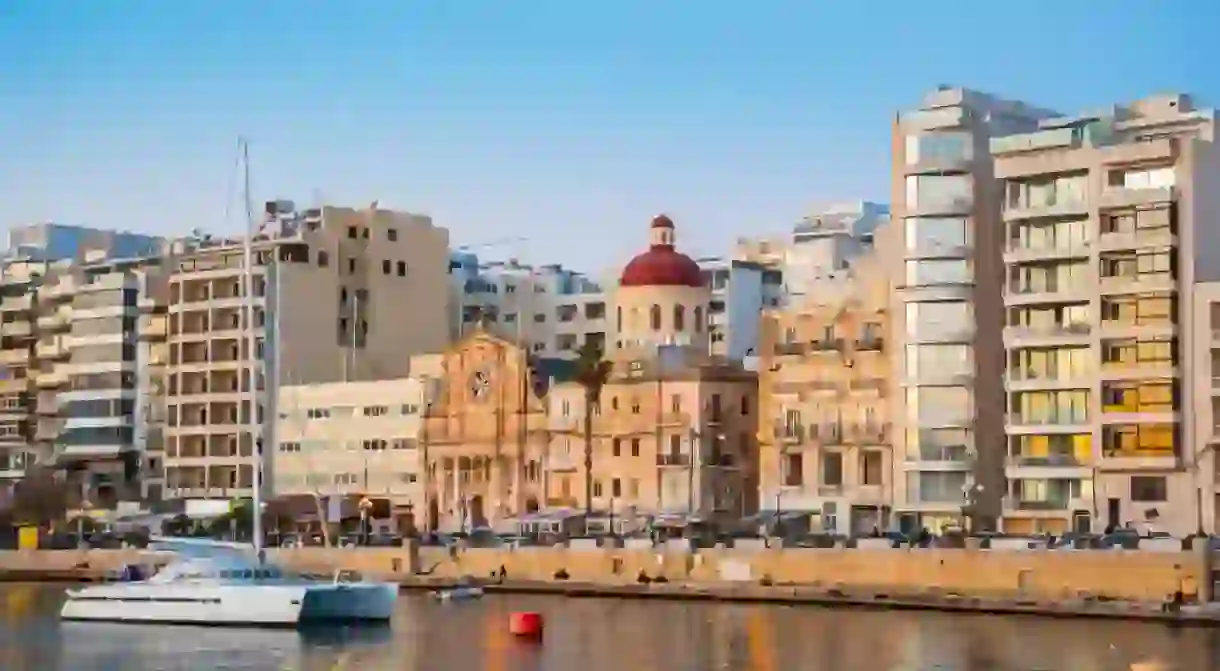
[{"x": 365, "y": 506}]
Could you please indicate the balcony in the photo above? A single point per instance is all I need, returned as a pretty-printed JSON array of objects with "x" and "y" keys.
[
  {"x": 1136, "y": 284},
  {"x": 1028, "y": 380},
  {"x": 1133, "y": 240},
  {"x": 16, "y": 355},
  {"x": 790, "y": 434},
  {"x": 1113, "y": 328},
  {"x": 870, "y": 344},
  {"x": 1048, "y": 335},
  {"x": 1055, "y": 504},
  {"x": 1051, "y": 460},
  {"x": 1054, "y": 423},
  {"x": 1048, "y": 252},
  {"x": 1051, "y": 207},
  {"x": 1121, "y": 197},
  {"x": 673, "y": 459},
  {"x": 561, "y": 463},
  {"x": 52, "y": 347},
  {"x": 1137, "y": 370},
  {"x": 790, "y": 349},
  {"x": 57, "y": 320},
  {"x": 1050, "y": 292},
  {"x": 16, "y": 329}
]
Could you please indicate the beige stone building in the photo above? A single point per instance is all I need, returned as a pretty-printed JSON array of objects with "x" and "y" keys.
[
  {"x": 339, "y": 294},
  {"x": 351, "y": 440},
  {"x": 826, "y": 386},
  {"x": 674, "y": 431},
  {"x": 1109, "y": 223}
]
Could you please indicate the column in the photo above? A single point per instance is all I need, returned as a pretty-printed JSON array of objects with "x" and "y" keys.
[
  {"x": 495, "y": 491},
  {"x": 457, "y": 492}
]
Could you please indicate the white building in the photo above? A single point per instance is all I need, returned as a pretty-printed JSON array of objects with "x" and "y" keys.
[{"x": 553, "y": 308}]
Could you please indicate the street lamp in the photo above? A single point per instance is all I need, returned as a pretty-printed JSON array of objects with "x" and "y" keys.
[{"x": 365, "y": 506}]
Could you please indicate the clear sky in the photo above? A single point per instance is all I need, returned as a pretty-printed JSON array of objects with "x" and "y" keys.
[{"x": 568, "y": 122}]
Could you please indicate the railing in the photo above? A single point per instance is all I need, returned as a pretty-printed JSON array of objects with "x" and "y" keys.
[
  {"x": 673, "y": 459},
  {"x": 1061, "y": 459}
]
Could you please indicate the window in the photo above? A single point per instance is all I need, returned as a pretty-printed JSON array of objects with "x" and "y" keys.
[
  {"x": 616, "y": 487},
  {"x": 376, "y": 411},
  {"x": 352, "y": 232},
  {"x": 870, "y": 468},
  {"x": 940, "y": 407},
  {"x": 402, "y": 268},
  {"x": 939, "y": 320},
  {"x": 1142, "y": 178},
  {"x": 698, "y": 325},
  {"x": 937, "y": 235},
  {"x": 1149, "y": 489},
  {"x": 635, "y": 447},
  {"x": 941, "y": 145},
  {"x": 1041, "y": 192},
  {"x": 597, "y": 489},
  {"x": 616, "y": 447},
  {"x": 351, "y": 266},
  {"x": 927, "y": 272},
  {"x": 392, "y": 234},
  {"x": 793, "y": 466},
  {"x": 942, "y": 194},
  {"x": 679, "y": 317},
  {"x": 1051, "y": 407},
  {"x": 675, "y": 403},
  {"x": 675, "y": 444},
  {"x": 386, "y": 266},
  {"x": 832, "y": 469},
  {"x": 938, "y": 360},
  {"x": 654, "y": 317},
  {"x": 936, "y": 487}
]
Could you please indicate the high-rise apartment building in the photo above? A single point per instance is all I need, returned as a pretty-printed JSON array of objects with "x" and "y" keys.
[
  {"x": 71, "y": 393},
  {"x": 339, "y": 294},
  {"x": 948, "y": 309},
  {"x": 1109, "y": 222}
]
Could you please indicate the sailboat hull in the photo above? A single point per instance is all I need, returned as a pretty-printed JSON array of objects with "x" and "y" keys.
[{"x": 256, "y": 605}]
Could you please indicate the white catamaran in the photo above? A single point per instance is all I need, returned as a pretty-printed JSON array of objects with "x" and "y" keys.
[{"x": 220, "y": 583}]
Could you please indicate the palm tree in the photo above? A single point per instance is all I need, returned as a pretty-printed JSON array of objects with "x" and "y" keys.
[{"x": 592, "y": 371}]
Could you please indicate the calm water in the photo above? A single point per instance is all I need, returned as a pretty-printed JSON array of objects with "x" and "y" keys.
[{"x": 601, "y": 635}]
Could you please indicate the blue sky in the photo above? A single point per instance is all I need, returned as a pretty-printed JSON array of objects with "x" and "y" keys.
[{"x": 569, "y": 123}]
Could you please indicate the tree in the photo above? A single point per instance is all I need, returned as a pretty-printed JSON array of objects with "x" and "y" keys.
[
  {"x": 592, "y": 371},
  {"x": 42, "y": 497}
]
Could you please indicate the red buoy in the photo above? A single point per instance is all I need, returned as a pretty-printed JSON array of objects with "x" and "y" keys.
[{"x": 525, "y": 624}]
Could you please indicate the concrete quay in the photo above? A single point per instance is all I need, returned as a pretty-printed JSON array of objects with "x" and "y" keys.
[{"x": 1162, "y": 582}]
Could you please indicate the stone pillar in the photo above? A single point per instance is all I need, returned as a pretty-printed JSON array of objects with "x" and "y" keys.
[
  {"x": 457, "y": 493},
  {"x": 495, "y": 491}
]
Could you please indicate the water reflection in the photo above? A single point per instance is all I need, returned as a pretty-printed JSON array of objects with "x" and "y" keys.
[{"x": 603, "y": 635}]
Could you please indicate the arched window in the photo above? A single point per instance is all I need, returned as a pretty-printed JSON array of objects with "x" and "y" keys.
[
  {"x": 655, "y": 317},
  {"x": 698, "y": 320},
  {"x": 679, "y": 317},
  {"x": 620, "y": 319}
]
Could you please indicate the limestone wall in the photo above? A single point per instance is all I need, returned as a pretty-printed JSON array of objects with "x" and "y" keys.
[{"x": 1033, "y": 574}]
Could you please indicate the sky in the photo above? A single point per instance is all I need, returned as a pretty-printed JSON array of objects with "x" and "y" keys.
[{"x": 569, "y": 124}]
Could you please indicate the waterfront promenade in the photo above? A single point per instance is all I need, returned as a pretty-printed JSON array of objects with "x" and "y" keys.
[{"x": 1142, "y": 583}]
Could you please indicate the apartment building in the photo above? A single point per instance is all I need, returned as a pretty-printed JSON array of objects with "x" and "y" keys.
[
  {"x": 1205, "y": 389},
  {"x": 1109, "y": 226},
  {"x": 49, "y": 241},
  {"x": 741, "y": 289},
  {"x": 74, "y": 328},
  {"x": 353, "y": 440},
  {"x": 553, "y": 308},
  {"x": 338, "y": 294},
  {"x": 826, "y": 387},
  {"x": 948, "y": 309}
]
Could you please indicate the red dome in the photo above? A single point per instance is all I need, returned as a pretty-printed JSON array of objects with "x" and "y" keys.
[{"x": 661, "y": 265}]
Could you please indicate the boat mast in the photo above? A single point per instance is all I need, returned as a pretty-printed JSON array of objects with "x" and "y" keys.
[{"x": 253, "y": 426}]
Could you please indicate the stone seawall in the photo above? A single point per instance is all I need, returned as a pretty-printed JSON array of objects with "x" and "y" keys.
[{"x": 1038, "y": 575}]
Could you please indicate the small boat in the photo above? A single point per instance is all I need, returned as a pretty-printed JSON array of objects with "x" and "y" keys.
[
  {"x": 458, "y": 594},
  {"x": 216, "y": 583}
]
